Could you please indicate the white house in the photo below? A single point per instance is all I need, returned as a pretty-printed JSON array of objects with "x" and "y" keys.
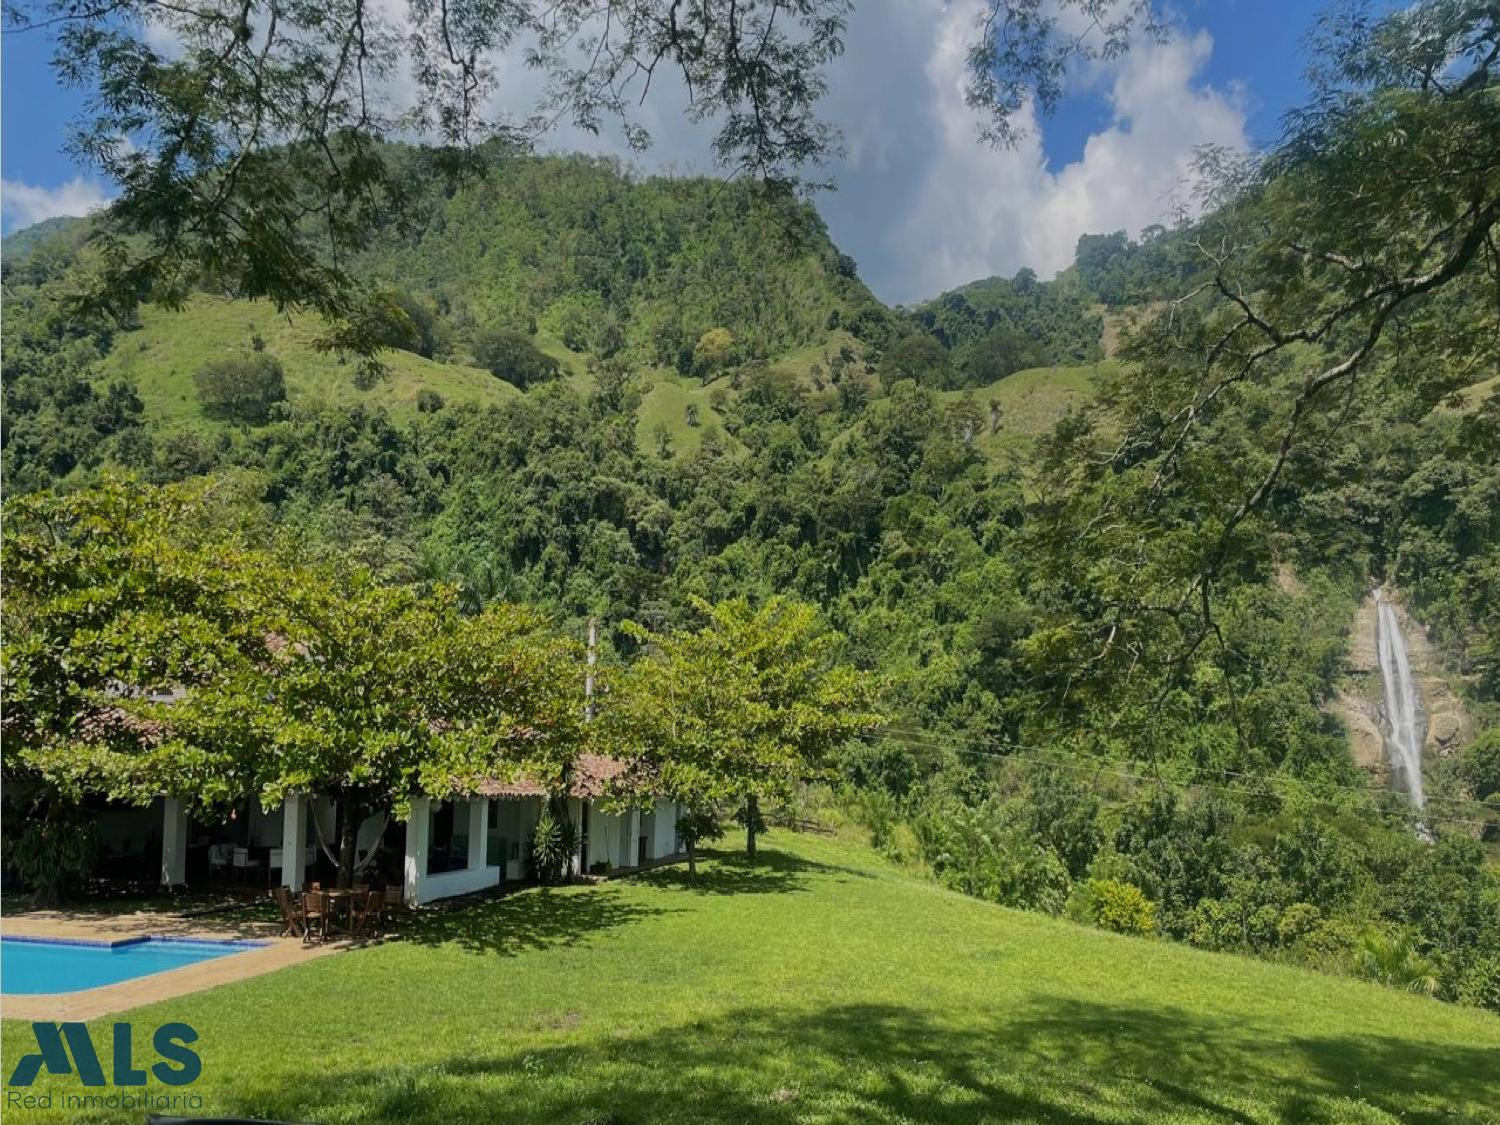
[
  {"x": 466, "y": 844},
  {"x": 447, "y": 847}
]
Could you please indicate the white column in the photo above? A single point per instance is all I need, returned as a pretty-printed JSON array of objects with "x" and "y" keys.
[
  {"x": 632, "y": 839},
  {"x": 477, "y": 828},
  {"x": 666, "y": 829},
  {"x": 416, "y": 852},
  {"x": 294, "y": 842},
  {"x": 173, "y": 843},
  {"x": 580, "y": 862}
]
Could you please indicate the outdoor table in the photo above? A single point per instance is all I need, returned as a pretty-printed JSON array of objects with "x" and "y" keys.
[{"x": 348, "y": 898}]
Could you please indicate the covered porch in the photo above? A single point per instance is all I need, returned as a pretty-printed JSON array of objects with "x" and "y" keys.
[
  {"x": 447, "y": 847},
  {"x": 250, "y": 846}
]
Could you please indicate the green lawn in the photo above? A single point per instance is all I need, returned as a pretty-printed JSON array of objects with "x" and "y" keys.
[{"x": 822, "y": 985}]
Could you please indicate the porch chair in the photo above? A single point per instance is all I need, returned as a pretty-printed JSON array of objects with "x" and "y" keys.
[
  {"x": 369, "y": 914},
  {"x": 293, "y": 920},
  {"x": 245, "y": 863},
  {"x": 314, "y": 913}
]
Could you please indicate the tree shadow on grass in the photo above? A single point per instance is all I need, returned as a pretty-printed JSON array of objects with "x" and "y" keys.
[
  {"x": 731, "y": 873},
  {"x": 538, "y": 918},
  {"x": 1063, "y": 1061}
]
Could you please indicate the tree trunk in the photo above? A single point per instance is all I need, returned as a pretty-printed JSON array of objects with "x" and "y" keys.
[
  {"x": 348, "y": 838},
  {"x": 692, "y": 851},
  {"x": 752, "y": 821}
]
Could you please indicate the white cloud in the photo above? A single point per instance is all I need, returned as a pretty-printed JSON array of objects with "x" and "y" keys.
[
  {"x": 979, "y": 211},
  {"x": 921, "y": 203},
  {"x": 24, "y": 204}
]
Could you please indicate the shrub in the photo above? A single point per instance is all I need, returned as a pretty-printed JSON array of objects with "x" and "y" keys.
[
  {"x": 52, "y": 847},
  {"x": 877, "y": 811},
  {"x": 608, "y": 337},
  {"x": 1119, "y": 907},
  {"x": 1480, "y": 765},
  {"x": 978, "y": 852},
  {"x": 242, "y": 389},
  {"x": 712, "y": 352},
  {"x": 514, "y": 358},
  {"x": 553, "y": 842},
  {"x": 403, "y": 322},
  {"x": 429, "y": 401},
  {"x": 1394, "y": 961},
  {"x": 881, "y": 765}
]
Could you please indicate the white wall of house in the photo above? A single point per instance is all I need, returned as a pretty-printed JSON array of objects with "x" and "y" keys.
[
  {"x": 665, "y": 824},
  {"x": 605, "y": 832},
  {"x": 514, "y": 821},
  {"x": 613, "y": 839},
  {"x": 418, "y": 886}
]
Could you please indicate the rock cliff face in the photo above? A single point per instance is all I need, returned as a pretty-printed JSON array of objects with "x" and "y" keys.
[{"x": 1360, "y": 704}]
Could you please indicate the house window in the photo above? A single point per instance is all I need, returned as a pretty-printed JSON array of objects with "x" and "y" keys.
[{"x": 447, "y": 839}]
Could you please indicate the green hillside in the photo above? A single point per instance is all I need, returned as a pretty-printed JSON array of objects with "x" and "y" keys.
[
  {"x": 584, "y": 251},
  {"x": 162, "y": 356},
  {"x": 822, "y": 985},
  {"x": 1031, "y": 402}
]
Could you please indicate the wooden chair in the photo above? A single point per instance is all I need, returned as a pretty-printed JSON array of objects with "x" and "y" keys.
[
  {"x": 369, "y": 914},
  {"x": 293, "y": 920},
  {"x": 314, "y": 913}
]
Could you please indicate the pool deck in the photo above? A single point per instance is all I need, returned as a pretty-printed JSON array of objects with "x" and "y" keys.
[{"x": 89, "y": 925}]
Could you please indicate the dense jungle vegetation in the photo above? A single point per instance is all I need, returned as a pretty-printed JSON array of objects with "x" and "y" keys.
[{"x": 1109, "y": 683}]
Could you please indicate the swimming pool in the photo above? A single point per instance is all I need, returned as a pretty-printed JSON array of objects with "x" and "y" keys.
[{"x": 33, "y": 966}]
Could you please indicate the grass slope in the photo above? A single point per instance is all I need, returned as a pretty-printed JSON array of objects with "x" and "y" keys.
[
  {"x": 819, "y": 986},
  {"x": 168, "y": 349},
  {"x": 665, "y": 404},
  {"x": 1031, "y": 403}
]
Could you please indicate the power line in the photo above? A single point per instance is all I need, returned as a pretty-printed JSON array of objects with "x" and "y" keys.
[
  {"x": 1085, "y": 767},
  {"x": 941, "y": 740},
  {"x": 1127, "y": 775}
]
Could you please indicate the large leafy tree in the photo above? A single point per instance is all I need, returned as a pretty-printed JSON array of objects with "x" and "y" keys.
[
  {"x": 114, "y": 596},
  {"x": 149, "y": 652},
  {"x": 379, "y": 693},
  {"x": 738, "y": 710}
]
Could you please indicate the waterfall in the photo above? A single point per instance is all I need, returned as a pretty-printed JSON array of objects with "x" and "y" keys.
[{"x": 1405, "y": 721}]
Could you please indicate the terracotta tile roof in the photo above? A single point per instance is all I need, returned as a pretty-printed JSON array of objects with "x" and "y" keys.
[
  {"x": 593, "y": 773},
  {"x": 113, "y": 722}
]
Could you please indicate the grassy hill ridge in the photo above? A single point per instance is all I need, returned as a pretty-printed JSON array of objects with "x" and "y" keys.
[{"x": 819, "y": 985}]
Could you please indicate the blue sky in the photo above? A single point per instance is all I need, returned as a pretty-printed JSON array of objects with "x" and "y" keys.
[{"x": 920, "y": 204}]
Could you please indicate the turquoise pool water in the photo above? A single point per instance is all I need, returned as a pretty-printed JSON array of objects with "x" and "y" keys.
[{"x": 29, "y": 966}]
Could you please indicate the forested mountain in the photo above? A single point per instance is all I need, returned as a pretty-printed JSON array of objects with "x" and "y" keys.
[
  {"x": 604, "y": 261},
  {"x": 998, "y": 326}
]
